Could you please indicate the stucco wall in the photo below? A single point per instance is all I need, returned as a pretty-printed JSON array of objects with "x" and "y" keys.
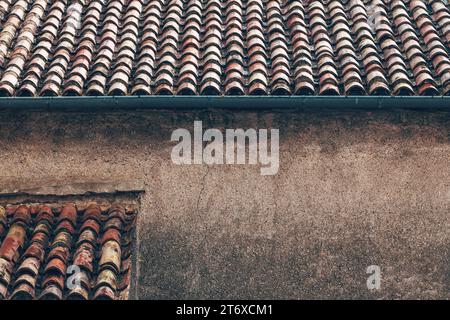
[{"x": 354, "y": 189}]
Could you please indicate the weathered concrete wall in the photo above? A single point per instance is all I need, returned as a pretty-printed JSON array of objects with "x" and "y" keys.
[{"x": 354, "y": 189}]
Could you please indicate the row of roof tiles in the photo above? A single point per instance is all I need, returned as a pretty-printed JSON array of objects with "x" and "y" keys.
[
  {"x": 49, "y": 253},
  {"x": 233, "y": 47}
]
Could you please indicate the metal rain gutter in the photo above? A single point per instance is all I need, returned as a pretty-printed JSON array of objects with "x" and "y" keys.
[{"x": 237, "y": 103}]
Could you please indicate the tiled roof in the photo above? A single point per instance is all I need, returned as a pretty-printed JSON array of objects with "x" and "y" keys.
[
  {"x": 226, "y": 47},
  {"x": 40, "y": 245}
]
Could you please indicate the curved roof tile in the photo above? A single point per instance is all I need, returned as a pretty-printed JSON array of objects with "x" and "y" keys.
[
  {"x": 42, "y": 246},
  {"x": 224, "y": 47}
]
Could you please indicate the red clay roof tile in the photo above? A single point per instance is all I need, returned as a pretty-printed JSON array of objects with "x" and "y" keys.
[
  {"x": 234, "y": 47},
  {"x": 39, "y": 246}
]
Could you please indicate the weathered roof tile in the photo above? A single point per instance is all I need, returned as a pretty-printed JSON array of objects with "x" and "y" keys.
[
  {"x": 234, "y": 47},
  {"x": 40, "y": 248}
]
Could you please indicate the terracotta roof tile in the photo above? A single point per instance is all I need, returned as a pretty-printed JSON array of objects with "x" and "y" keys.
[
  {"x": 224, "y": 47},
  {"x": 39, "y": 246}
]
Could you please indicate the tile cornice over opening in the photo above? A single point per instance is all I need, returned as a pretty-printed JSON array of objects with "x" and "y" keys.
[
  {"x": 72, "y": 188},
  {"x": 55, "y": 195}
]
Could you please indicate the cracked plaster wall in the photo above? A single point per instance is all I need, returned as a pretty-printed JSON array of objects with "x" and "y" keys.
[{"x": 353, "y": 189}]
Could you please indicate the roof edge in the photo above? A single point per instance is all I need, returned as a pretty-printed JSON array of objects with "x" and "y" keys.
[{"x": 236, "y": 103}]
